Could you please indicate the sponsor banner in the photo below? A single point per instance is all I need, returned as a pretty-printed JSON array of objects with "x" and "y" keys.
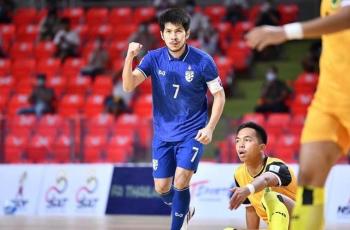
[
  {"x": 210, "y": 194},
  {"x": 20, "y": 188},
  {"x": 132, "y": 192},
  {"x": 75, "y": 189},
  {"x": 338, "y": 196}
]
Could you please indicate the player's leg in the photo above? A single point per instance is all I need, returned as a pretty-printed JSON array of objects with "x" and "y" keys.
[
  {"x": 277, "y": 212},
  {"x": 316, "y": 160},
  {"x": 187, "y": 156},
  {"x": 164, "y": 165}
]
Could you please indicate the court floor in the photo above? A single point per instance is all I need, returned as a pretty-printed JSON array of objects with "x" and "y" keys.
[{"x": 114, "y": 222}]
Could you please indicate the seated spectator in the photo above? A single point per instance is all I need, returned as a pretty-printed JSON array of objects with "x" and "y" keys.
[
  {"x": 67, "y": 41},
  {"x": 98, "y": 60},
  {"x": 49, "y": 25},
  {"x": 235, "y": 11},
  {"x": 144, "y": 37},
  {"x": 199, "y": 21},
  {"x": 269, "y": 15},
  {"x": 6, "y": 11},
  {"x": 42, "y": 98},
  {"x": 209, "y": 41},
  {"x": 274, "y": 94},
  {"x": 119, "y": 101},
  {"x": 162, "y": 5}
]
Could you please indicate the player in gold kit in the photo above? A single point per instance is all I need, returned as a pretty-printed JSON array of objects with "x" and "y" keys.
[{"x": 326, "y": 133}]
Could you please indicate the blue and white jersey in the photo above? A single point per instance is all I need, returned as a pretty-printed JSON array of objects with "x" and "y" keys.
[{"x": 179, "y": 87}]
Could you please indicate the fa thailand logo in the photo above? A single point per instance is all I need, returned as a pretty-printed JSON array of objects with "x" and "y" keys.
[
  {"x": 189, "y": 74},
  {"x": 155, "y": 165}
]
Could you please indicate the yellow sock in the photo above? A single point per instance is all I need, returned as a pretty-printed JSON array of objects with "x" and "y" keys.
[
  {"x": 277, "y": 212},
  {"x": 308, "y": 209}
]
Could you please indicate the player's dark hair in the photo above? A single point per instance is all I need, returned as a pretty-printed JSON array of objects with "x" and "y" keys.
[
  {"x": 260, "y": 131},
  {"x": 175, "y": 16}
]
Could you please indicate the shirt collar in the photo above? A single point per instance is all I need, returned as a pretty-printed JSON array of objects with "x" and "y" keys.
[{"x": 182, "y": 57}]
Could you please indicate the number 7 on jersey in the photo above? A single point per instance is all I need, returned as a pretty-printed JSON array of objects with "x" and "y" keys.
[{"x": 177, "y": 88}]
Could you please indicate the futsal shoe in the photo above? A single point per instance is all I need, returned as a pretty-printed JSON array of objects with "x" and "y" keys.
[{"x": 188, "y": 217}]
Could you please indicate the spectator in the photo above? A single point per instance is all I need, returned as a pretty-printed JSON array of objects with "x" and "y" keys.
[
  {"x": 98, "y": 60},
  {"x": 119, "y": 101},
  {"x": 49, "y": 25},
  {"x": 199, "y": 22},
  {"x": 209, "y": 41},
  {"x": 269, "y": 15},
  {"x": 6, "y": 10},
  {"x": 144, "y": 37},
  {"x": 67, "y": 41},
  {"x": 274, "y": 94},
  {"x": 41, "y": 99},
  {"x": 162, "y": 5},
  {"x": 235, "y": 11}
]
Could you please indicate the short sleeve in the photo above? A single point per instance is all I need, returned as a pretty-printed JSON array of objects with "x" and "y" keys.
[
  {"x": 281, "y": 171},
  {"x": 145, "y": 65},
  {"x": 210, "y": 72}
]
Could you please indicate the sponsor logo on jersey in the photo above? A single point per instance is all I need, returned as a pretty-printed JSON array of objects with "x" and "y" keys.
[
  {"x": 161, "y": 73},
  {"x": 155, "y": 164}
]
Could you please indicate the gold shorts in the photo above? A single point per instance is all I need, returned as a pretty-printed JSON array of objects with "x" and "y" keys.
[{"x": 327, "y": 124}]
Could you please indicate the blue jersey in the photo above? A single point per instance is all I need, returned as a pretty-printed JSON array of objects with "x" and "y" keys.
[{"x": 179, "y": 87}]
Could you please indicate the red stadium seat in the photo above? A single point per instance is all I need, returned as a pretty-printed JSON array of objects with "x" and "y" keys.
[
  {"x": 17, "y": 102},
  {"x": 119, "y": 149},
  {"x": 286, "y": 154},
  {"x": 21, "y": 124},
  {"x": 144, "y": 14},
  {"x": 94, "y": 105},
  {"x": 296, "y": 124},
  {"x": 25, "y": 16},
  {"x": 277, "y": 123},
  {"x": 225, "y": 68},
  {"x": 288, "y": 12},
  {"x": 71, "y": 105},
  {"x": 14, "y": 148},
  {"x": 72, "y": 66},
  {"x": 306, "y": 83},
  {"x": 75, "y": 15},
  {"x": 301, "y": 103},
  {"x": 5, "y": 67},
  {"x": 240, "y": 29},
  {"x": 117, "y": 48},
  {"x": 94, "y": 146},
  {"x": 50, "y": 125},
  {"x": 254, "y": 117},
  {"x": 58, "y": 84},
  {"x": 82, "y": 30},
  {"x": 49, "y": 66},
  {"x": 103, "y": 31},
  {"x": 143, "y": 106},
  {"x": 78, "y": 85},
  {"x": 215, "y": 13},
  {"x": 39, "y": 148},
  {"x": 124, "y": 32},
  {"x": 145, "y": 88},
  {"x": 25, "y": 85},
  {"x": 120, "y": 15},
  {"x": 7, "y": 34},
  {"x": 3, "y": 102},
  {"x": 6, "y": 85},
  {"x": 127, "y": 122},
  {"x": 23, "y": 68},
  {"x": 27, "y": 33},
  {"x": 22, "y": 50},
  {"x": 45, "y": 50},
  {"x": 63, "y": 149},
  {"x": 100, "y": 124},
  {"x": 96, "y": 16},
  {"x": 102, "y": 85}
]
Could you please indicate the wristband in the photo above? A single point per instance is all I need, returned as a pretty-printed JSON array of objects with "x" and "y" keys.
[
  {"x": 251, "y": 188},
  {"x": 293, "y": 31}
]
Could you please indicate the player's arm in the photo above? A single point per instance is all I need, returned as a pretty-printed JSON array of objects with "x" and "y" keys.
[
  {"x": 260, "y": 37},
  {"x": 252, "y": 219},
  {"x": 131, "y": 79},
  {"x": 277, "y": 174},
  {"x": 205, "y": 135}
]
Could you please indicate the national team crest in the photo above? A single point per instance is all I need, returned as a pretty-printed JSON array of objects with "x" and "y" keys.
[{"x": 189, "y": 74}]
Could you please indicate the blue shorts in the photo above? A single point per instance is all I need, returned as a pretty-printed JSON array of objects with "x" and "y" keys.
[{"x": 166, "y": 156}]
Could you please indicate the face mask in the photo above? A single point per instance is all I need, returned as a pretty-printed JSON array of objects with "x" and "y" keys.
[{"x": 270, "y": 76}]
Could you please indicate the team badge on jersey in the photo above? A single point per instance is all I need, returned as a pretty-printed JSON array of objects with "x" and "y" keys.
[
  {"x": 155, "y": 165},
  {"x": 189, "y": 74}
]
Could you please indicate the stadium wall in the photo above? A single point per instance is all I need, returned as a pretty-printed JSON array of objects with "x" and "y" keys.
[{"x": 100, "y": 189}]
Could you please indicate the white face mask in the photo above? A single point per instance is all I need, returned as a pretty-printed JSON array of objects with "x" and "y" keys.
[{"x": 270, "y": 76}]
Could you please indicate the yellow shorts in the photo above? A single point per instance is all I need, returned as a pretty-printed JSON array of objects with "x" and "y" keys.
[{"x": 327, "y": 124}]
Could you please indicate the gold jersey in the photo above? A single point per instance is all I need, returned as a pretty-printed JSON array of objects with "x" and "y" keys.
[
  {"x": 287, "y": 181},
  {"x": 334, "y": 83}
]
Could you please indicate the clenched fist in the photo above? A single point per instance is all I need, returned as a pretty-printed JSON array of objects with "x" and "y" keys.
[{"x": 134, "y": 49}]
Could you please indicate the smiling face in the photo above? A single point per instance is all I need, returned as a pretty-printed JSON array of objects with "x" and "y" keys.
[
  {"x": 248, "y": 146},
  {"x": 175, "y": 36}
]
